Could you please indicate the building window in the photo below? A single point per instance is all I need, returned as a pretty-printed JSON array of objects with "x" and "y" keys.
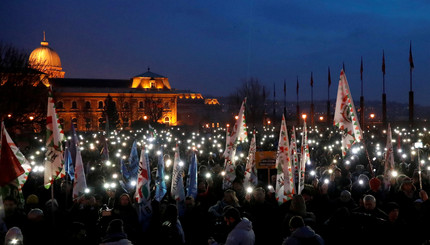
[
  {"x": 166, "y": 119},
  {"x": 75, "y": 122},
  {"x": 88, "y": 123},
  {"x": 152, "y": 82},
  {"x": 87, "y": 105},
  {"x": 100, "y": 105},
  {"x": 60, "y": 105},
  {"x": 126, "y": 105},
  {"x": 141, "y": 105},
  {"x": 74, "y": 105}
]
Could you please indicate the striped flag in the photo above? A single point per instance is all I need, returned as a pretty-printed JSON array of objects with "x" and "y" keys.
[
  {"x": 20, "y": 181},
  {"x": 345, "y": 116},
  {"x": 10, "y": 167},
  {"x": 284, "y": 177},
  {"x": 54, "y": 168}
]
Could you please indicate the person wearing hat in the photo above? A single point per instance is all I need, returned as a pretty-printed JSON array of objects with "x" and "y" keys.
[
  {"x": 115, "y": 234},
  {"x": 301, "y": 234}
]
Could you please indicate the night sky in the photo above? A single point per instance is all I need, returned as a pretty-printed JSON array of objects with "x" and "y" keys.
[{"x": 211, "y": 46}]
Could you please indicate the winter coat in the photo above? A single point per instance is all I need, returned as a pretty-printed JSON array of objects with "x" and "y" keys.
[
  {"x": 119, "y": 242},
  {"x": 242, "y": 234},
  {"x": 303, "y": 235}
]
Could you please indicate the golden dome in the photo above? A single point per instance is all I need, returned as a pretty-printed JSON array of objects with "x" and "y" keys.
[{"x": 45, "y": 59}]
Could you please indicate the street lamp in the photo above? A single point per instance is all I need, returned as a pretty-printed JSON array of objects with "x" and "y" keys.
[
  {"x": 372, "y": 115},
  {"x": 304, "y": 116},
  {"x": 419, "y": 145}
]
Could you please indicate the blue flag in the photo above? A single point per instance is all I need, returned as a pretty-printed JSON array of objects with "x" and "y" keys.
[
  {"x": 68, "y": 164},
  {"x": 133, "y": 161},
  {"x": 73, "y": 144},
  {"x": 161, "y": 188},
  {"x": 124, "y": 171},
  {"x": 192, "y": 177}
]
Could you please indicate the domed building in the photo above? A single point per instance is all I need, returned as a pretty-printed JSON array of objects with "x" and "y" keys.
[{"x": 46, "y": 60}]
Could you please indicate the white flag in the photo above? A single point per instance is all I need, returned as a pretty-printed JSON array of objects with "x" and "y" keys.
[
  {"x": 55, "y": 136},
  {"x": 345, "y": 116},
  {"x": 251, "y": 169},
  {"x": 177, "y": 191},
  {"x": 79, "y": 184},
  {"x": 284, "y": 177},
  {"x": 305, "y": 158}
]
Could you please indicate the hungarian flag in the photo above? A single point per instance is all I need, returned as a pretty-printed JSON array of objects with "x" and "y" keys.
[
  {"x": 294, "y": 156},
  {"x": 10, "y": 167},
  {"x": 20, "y": 181},
  {"x": 238, "y": 133},
  {"x": 345, "y": 116},
  {"x": 383, "y": 62},
  {"x": 80, "y": 183},
  {"x": 305, "y": 158},
  {"x": 411, "y": 61},
  {"x": 55, "y": 136},
  {"x": 177, "y": 191},
  {"x": 251, "y": 169},
  {"x": 143, "y": 194},
  {"x": 284, "y": 176},
  {"x": 389, "y": 157}
]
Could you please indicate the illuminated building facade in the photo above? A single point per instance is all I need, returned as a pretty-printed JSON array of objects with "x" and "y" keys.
[{"x": 82, "y": 101}]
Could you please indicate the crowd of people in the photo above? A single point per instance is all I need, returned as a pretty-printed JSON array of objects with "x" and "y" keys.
[{"x": 342, "y": 203}]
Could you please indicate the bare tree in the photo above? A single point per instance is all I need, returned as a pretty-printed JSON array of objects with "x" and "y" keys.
[
  {"x": 256, "y": 95},
  {"x": 23, "y": 96},
  {"x": 153, "y": 109}
]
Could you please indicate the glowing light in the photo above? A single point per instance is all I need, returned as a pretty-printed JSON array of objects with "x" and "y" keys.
[
  {"x": 304, "y": 116},
  {"x": 181, "y": 164},
  {"x": 168, "y": 162},
  {"x": 222, "y": 173},
  {"x": 394, "y": 173},
  {"x": 87, "y": 190},
  {"x": 249, "y": 190},
  {"x": 108, "y": 163},
  {"x": 326, "y": 181},
  {"x": 114, "y": 176},
  {"x": 312, "y": 173},
  {"x": 166, "y": 177},
  {"x": 133, "y": 183}
]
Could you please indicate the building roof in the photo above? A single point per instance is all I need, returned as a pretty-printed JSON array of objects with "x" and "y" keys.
[
  {"x": 150, "y": 74},
  {"x": 44, "y": 56},
  {"x": 90, "y": 83}
]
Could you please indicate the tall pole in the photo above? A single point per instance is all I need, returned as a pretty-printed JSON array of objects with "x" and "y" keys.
[
  {"x": 297, "y": 102},
  {"x": 411, "y": 92},
  {"x": 274, "y": 101},
  {"x": 285, "y": 98},
  {"x": 384, "y": 96},
  {"x": 362, "y": 96},
  {"x": 312, "y": 101},
  {"x": 328, "y": 99}
]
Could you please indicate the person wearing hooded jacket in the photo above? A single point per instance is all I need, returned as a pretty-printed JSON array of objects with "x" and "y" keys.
[
  {"x": 241, "y": 233},
  {"x": 301, "y": 234}
]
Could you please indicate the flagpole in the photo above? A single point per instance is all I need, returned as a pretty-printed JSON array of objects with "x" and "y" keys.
[
  {"x": 411, "y": 92},
  {"x": 285, "y": 98},
  {"x": 328, "y": 97},
  {"x": 362, "y": 96},
  {"x": 297, "y": 102},
  {"x": 274, "y": 101},
  {"x": 384, "y": 96},
  {"x": 312, "y": 101}
]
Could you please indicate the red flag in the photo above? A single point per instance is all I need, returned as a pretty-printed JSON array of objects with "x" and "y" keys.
[
  {"x": 10, "y": 167},
  {"x": 329, "y": 77},
  {"x": 383, "y": 62},
  {"x": 312, "y": 80},
  {"x": 411, "y": 61},
  {"x": 361, "y": 68}
]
